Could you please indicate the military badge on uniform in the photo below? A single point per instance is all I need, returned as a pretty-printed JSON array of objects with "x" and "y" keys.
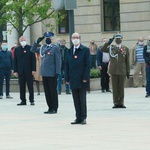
[
  {"x": 24, "y": 51},
  {"x": 123, "y": 51}
]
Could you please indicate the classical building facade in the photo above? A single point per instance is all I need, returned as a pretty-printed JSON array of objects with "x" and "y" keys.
[{"x": 102, "y": 18}]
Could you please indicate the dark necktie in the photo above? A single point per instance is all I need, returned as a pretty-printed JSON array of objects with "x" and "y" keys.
[{"x": 74, "y": 50}]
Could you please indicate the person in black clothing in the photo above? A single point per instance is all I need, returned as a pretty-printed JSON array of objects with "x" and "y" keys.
[
  {"x": 24, "y": 69},
  {"x": 63, "y": 50},
  {"x": 78, "y": 75},
  {"x": 6, "y": 68},
  {"x": 102, "y": 63},
  {"x": 146, "y": 55}
]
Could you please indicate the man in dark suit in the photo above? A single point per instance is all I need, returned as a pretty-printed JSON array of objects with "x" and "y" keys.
[
  {"x": 78, "y": 74},
  {"x": 102, "y": 63},
  {"x": 24, "y": 69},
  {"x": 49, "y": 70}
]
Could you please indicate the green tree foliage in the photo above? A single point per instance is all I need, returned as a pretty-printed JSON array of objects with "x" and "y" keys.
[{"x": 24, "y": 13}]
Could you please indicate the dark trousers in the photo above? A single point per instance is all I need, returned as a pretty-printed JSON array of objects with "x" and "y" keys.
[
  {"x": 50, "y": 89},
  {"x": 118, "y": 89},
  {"x": 23, "y": 79},
  {"x": 5, "y": 73},
  {"x": 93, "y": 61},
  {"x": 147, "y": 80},
  {"x": 59, "y": 84},
  {"x": 104, "y": 77},
  {"x": 79, "y": 98}
]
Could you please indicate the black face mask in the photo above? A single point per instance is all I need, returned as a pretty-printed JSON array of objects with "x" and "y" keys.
[
  {"x": 62, "y": 46},
  {"x": 118, "y": 41},
  {"x": 48, "y": 41}
]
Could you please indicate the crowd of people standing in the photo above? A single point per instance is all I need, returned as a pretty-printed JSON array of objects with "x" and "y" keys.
[{"x": 52, "y": 63}]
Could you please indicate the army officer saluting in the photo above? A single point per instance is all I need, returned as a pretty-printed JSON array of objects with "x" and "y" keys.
[{"x": 119, "y": 68}]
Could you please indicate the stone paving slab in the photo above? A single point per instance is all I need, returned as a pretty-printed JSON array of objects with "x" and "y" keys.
[{"x": 27, "y": 128}]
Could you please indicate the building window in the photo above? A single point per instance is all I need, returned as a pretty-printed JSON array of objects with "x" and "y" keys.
[
  {"x": 63, "y": 26},
  {"x": 111, "y": 12}
]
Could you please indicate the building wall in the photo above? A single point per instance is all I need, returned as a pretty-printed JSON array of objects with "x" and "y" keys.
[
  {"x": 135, "y": 19},
  {"x": 134, "y": 22}
]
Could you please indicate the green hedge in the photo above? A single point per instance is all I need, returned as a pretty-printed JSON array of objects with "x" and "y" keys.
[
  {"x": 94, "y": 73},
  {"x": 13, "y": 77}
]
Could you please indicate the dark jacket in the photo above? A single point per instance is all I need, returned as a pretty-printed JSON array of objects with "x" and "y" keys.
[
  {"x": 146, "y": 55},
  {"x": 63, "y": 51},
  {"x": 24, "y": 60},
  {"x": 77, "y": 67},
  {"x": 99, "y": 57},
  {"x": 6, "y": 60}
]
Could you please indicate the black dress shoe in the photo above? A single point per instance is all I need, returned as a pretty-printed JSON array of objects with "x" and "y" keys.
[
  {"x": 32, "y": 103},
  {"x": 103, "y": 91},
  {"x": 68, "y": 93},
  {"x": 59, "y": 93},
  {"x": 52, "y": 112},
  {"x": 76, "y": 122},
  {"x": 147, "y": 95},
  {"x": 22, "y": 103},
  {"x": 115, "y": 106},
  {"x": 83, "y": 121},
  {"x": 122, "y": 106},
  {"x": 108, "y": 90},
  {"x": 47, "y": 112}
]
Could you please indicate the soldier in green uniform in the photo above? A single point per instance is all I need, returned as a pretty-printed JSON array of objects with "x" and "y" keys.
[{"x": 119, "y": 68}]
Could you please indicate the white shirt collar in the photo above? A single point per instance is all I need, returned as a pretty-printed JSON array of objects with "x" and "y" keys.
[{"x": 76, "y": 46}]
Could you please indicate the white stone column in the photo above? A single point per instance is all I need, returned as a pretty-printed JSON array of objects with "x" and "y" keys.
[
  {"x": 12, "y": 35},
  {"x": 27, "y": 35}
]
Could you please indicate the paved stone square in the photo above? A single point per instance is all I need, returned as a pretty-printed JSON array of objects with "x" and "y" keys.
[{"x": 28, "y": 128}]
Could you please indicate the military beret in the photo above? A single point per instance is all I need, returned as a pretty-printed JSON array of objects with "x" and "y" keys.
[
  {"x": 118, "y": 36},
  {"x": 48, "y": 34}
]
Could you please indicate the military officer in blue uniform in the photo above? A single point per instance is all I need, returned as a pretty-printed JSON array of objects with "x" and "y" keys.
[{"x": 49, "y": 70}]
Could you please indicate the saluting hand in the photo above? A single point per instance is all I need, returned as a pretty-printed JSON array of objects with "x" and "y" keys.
[
  {"x": 111, "y": 40},
  {"x": 40, "y": 39}
]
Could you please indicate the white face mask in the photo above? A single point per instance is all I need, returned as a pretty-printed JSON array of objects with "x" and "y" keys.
[
  {"x": 23, "y": 43},
  {"x": 4, "y": 48},
  {"x": 76, "y": 41}
]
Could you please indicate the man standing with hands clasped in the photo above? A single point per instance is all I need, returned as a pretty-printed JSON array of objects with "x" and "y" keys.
[
  {"x": 78, "y": 74},
  {"x": 24, "y": 69},
  {"x": 119, "y": 68}
]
